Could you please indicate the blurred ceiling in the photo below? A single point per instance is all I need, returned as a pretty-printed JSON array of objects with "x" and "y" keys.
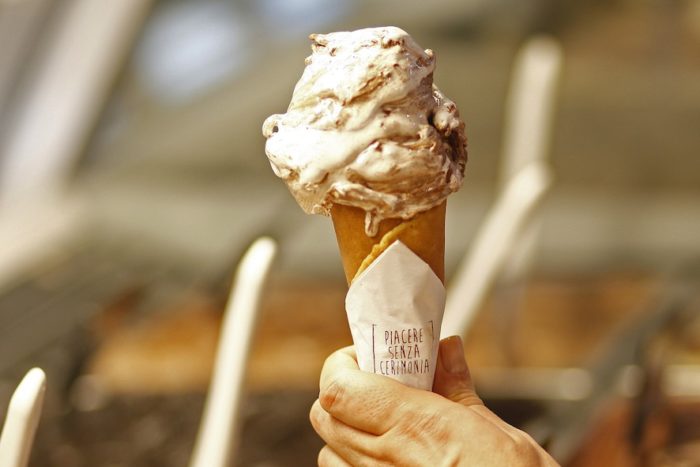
[{"x": 178, "y": 134}]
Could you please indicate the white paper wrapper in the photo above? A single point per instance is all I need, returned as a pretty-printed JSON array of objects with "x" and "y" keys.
[{"x": 395, "y": 310}]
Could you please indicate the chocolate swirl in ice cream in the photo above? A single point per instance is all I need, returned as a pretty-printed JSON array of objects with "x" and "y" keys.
[{"x": 367, "y": 128}]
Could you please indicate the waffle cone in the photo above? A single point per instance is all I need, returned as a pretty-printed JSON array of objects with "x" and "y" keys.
[{"x": 424, "y": 234}]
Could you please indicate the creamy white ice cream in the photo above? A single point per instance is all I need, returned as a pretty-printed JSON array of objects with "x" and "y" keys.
[{"x": 366, "y": 127}]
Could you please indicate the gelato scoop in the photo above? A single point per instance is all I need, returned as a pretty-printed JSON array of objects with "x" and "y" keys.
[{"x": 368, "y": 129}]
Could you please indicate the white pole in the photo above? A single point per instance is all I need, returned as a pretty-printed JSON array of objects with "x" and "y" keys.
[
  {"x": 489, "y": 252},
  {"x": 65, "y": 95},
  {"x": 530, "y": 105},
  {"x": 506, "y": 240},
  {"x": 218, "y": 432},
  {"x": 22, "y": 419},
  {"x": 528, "y": 127}
]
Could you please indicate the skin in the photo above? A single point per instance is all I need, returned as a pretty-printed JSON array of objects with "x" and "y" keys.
[{"x": 371, "y": 420}]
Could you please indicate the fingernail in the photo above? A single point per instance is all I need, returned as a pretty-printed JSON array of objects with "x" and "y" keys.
[{"x": 452, "y": 355}]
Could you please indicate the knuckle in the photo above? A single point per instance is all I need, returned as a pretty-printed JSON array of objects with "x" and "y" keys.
[
  {"x": 453, "y": 457},
  {"x": 425, "y": 424},
  {"x": 381, "y": 458},
  {"x": 335, "y": 391},
  {"x": 382, "y": 453},
  {"x": 466, "y": 397},
  {"x": 523, "y": 449}
]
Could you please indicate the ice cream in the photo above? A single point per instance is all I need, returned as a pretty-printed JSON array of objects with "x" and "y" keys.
[
  {"x": 367, "y": 128},
  {"x": 369, "y": 140}
]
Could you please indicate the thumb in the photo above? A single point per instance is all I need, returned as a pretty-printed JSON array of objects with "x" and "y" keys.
[{"x": 452, "y": 377}]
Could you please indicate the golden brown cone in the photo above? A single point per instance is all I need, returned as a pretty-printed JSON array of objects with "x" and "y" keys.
[{"x": 424, "y": 234}]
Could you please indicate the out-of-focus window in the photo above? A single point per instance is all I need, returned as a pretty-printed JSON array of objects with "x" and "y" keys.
[{"x": 188, "y": 47}]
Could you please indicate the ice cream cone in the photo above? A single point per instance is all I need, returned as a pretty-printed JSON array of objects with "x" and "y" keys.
[
  {"x": 424, "y": 234},
  {"x": 369, "y": 139}
]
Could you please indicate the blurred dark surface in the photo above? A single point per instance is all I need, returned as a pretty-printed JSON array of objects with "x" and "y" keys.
[
  {"x": 153, "y": 431},
  {"x": 92, "y": 417}
]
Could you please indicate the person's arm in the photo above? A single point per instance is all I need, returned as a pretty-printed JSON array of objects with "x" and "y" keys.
[{"x": 368, "y": 419}]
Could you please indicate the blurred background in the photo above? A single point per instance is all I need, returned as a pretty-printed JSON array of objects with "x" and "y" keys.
[{"x": 133, "y": 176}]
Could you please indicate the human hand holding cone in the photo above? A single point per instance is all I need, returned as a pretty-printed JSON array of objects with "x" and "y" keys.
[{"x": 369, "y": 140}]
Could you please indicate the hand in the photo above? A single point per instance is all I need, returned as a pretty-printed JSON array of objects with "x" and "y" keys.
[{"x": 371, "y": 420}]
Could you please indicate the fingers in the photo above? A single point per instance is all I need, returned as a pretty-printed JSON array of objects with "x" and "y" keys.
[
  {"x": 343, "y": 359},
  {"x": 352, "y": 445},
  {"x": 365, "y": 401},
  {"x": 453, "y": 381},
  {"x": 367, "y": 419},
  {"x": 452, "y": 377},
  {"x": 328, "y": 458}
]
